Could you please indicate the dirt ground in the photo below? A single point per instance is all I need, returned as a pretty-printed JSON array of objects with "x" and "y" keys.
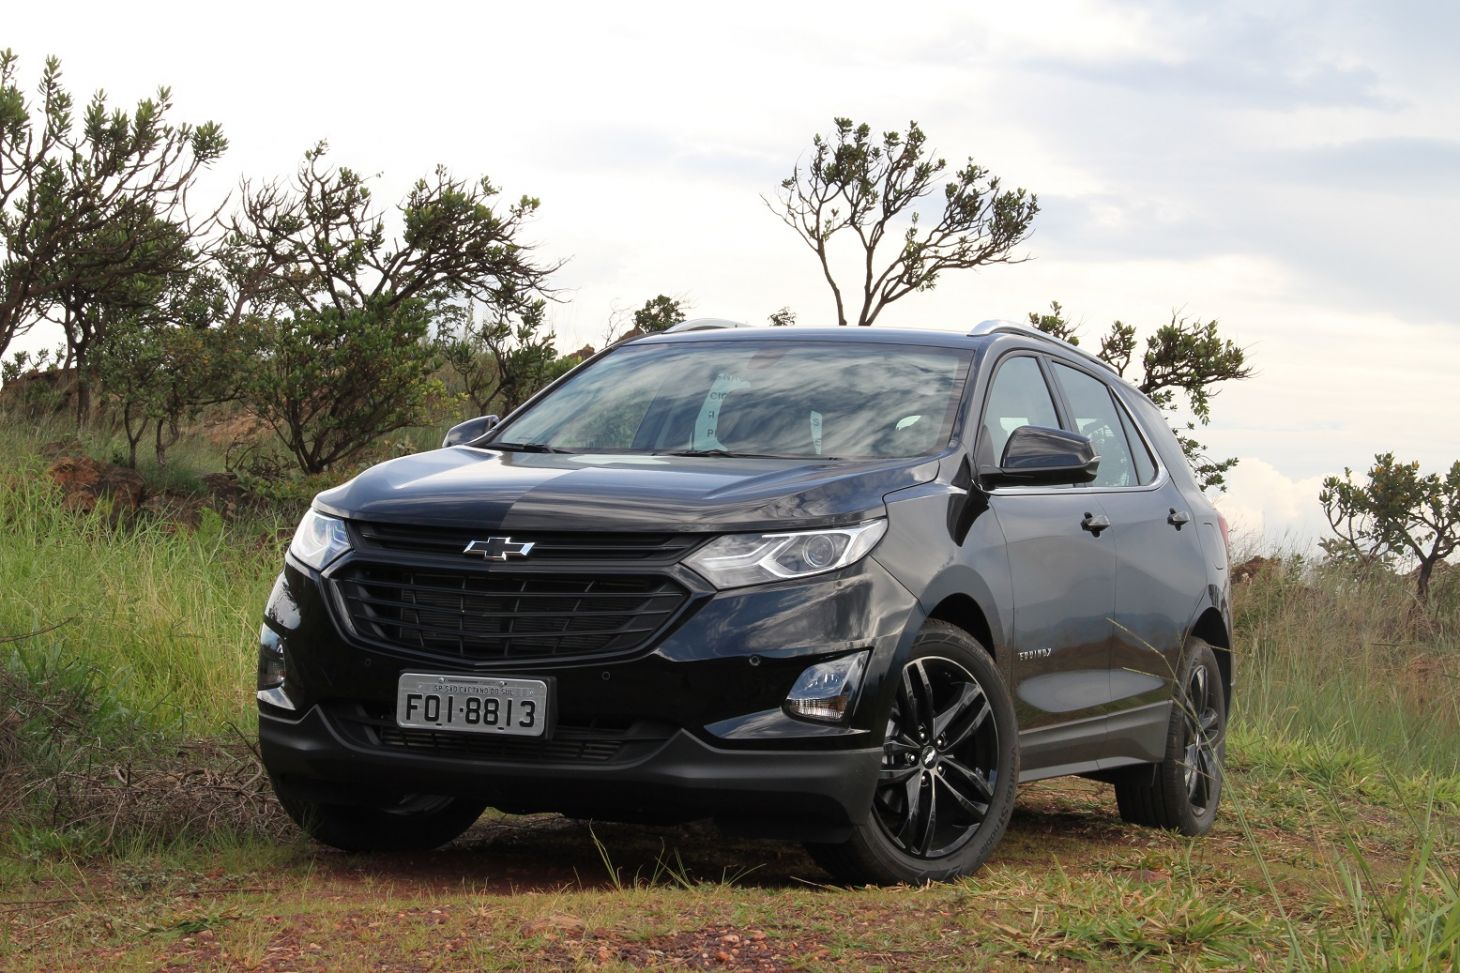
[{"x": 1071, "y": 887}]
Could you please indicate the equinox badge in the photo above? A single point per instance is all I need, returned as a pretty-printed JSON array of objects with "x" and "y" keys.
[{"x": 498, "y": 548}]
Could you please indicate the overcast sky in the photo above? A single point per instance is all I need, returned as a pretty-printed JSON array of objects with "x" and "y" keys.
[{"x": 1291, "y": 169}]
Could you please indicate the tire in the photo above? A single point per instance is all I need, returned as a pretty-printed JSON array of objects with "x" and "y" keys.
[
  {"x": 1181, "y": 793},
  {"x": 415, "y": 822},
  {"x": 943, "y": 801}
]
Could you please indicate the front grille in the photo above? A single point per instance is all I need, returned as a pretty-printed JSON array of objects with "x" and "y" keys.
[
  {"x": 546, "y": 546},
  {"x": 504, "y": 615},
  {"x": 565, "y": 749}
]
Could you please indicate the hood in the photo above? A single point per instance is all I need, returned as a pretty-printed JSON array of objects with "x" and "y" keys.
[{"x": 481, "y": 488}]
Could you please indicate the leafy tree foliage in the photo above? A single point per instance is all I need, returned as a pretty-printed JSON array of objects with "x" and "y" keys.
[
  {"x": 339, "y": 309},
  {"x": 331, "y": 382},
  {"x": 658, "y": 314},
  {"x": 782, "y": 318},
  {"x": 1394, "y": 512},
  {"x": 500, "y": 360},
  {"x": 873, "y": 191},
  {"x": 88, "y": 202},
  {"x": 1182, "y": 364}
]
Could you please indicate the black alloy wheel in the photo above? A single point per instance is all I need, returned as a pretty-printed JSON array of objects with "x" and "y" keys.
[
  {"x": 1182, "y": 791},
  {"x": 1201, "y": 762},
  {"x": 939, "y": 761},
  {"x": 950, "y": 763}
]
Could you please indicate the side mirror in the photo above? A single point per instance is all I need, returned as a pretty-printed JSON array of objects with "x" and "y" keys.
[
  {"x": 1039, "y": 456},
  {"x": 469, "y": 431}
]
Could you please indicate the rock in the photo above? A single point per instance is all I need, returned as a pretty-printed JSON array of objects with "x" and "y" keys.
[
  {"x": 225, "y": 493},
  {"x": 1246, "y": 571},
  {"x": 84, "y": 481}
]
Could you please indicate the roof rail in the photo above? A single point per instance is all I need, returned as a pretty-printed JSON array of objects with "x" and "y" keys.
[
  {"x": 704, "y": 324},
  {"x": 996, "y": 326}
]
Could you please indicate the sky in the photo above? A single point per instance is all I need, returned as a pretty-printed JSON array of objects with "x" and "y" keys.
[{"x": 1291, "y": 170}]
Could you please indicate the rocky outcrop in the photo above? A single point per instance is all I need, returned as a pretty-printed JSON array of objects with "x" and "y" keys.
[{"x": 85, "y": 481}]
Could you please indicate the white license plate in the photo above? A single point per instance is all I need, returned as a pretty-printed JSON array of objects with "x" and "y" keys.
[{"x": 472, "y": 704}]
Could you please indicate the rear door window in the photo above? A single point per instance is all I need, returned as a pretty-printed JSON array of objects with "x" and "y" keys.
[{"x": 1095, "y": 414}]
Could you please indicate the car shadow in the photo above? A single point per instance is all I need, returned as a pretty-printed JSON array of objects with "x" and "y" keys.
[{"x": 548, "y": 852}]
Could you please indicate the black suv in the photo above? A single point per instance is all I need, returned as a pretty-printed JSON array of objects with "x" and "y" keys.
[{"x": 843, "y": 586}]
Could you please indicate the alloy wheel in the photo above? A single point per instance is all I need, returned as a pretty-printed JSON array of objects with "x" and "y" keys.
[
  {"x": 939, "y": 762},
  {"x": 1201, "y": 758}
]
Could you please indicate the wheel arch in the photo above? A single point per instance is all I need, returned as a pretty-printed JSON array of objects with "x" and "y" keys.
[
  {"x": 1211, "y": 628},
  {"x": 963, "y": 611}
]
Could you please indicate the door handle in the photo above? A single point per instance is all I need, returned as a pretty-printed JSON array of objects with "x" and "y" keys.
[
  {"x": 1178, "y": 518},
  {"x": 1095, "y": 523}
]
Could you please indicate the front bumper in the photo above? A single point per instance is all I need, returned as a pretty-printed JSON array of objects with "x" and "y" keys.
[
  {"x": 691, "y": 726},
  {"x": 806, "y": 793}
]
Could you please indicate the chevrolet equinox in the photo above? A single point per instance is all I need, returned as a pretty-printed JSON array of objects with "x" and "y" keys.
[{"x": 843, "y": 586}]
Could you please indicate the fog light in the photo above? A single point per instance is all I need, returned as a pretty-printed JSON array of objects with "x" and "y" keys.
[
  {"x": 272, "y": 669},
  {"x": 824, "y": 692}
]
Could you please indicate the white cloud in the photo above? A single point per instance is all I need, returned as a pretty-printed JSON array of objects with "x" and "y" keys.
[{"x": 1269, "y": 511}]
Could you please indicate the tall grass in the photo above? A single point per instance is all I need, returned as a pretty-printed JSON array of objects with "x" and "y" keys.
[
  {"x": 1357, "y": 665},
  {"x": 170, "y": 614}
]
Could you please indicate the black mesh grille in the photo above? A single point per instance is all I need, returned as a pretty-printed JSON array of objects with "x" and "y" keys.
[
  {"x": 578, "y": 546},
  {"x": 562, "y": 750},
  {"x": 502, "y": 615}
]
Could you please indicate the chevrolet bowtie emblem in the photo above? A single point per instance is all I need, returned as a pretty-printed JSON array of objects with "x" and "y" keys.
[{"x": 498, "y": 548}]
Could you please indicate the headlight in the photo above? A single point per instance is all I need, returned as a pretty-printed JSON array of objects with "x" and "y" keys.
[
  {"x": 319, "y": 540},
  {"x": 742, "y": 559}
]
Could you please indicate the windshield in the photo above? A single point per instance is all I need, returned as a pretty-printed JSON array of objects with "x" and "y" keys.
[{"x": 795, "y": 399}]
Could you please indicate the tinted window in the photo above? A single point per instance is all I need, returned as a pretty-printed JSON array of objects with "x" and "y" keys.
[
  {"x": 1019, "y": 397},
  {"x": 780, "y": 398},
  {"x": 1096, "y": 416},
  {"x": 1145, "y": 465}
]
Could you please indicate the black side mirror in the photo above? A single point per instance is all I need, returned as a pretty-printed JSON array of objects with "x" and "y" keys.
[
  {"x": 1039, "y": 456},
  {"x": 469, "y": 431}
]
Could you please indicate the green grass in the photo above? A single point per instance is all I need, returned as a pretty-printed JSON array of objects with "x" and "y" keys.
[
  {"x": 169, "y": 615},
  {"x": 1322, "y": 659}
]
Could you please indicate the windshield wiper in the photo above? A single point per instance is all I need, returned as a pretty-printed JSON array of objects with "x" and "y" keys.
[
  {"x": 527, "y": 447},
  {"x": 730, "y": 454}
]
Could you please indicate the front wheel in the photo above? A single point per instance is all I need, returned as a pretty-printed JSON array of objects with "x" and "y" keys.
[
  {"x": 412, "y": 822},
  {"x": 950, "y": 763}
]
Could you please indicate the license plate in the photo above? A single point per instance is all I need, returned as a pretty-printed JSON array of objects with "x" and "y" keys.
[{"x": 472, "y": 704}]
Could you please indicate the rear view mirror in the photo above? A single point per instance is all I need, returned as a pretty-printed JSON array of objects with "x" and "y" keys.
[
  {"x": 469, "y": 431},
  {"x": 1040, "y": 456}
]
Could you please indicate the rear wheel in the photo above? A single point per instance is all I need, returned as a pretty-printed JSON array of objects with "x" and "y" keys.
[
  {"x": 413, "y": 822},
  {"x": 950, "y": 763},
  {"x": 1181, "y": 792}
]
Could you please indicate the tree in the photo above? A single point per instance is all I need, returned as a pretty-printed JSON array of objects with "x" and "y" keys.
[
  {"x": 157, "y": 356},
  {"x": 855, "y": 186},
  {"x": 1395, "y": 513},
  {"x": 783, "y": 318},
  {"x": 340, "y": 311},
  {"x": 500, "y": 360},
  {"x": 1183, "y": 363},
  {"x": 80, "y": 205},
  {"x": 659, "y": 314},
  {"x": 329, "y": 383}
]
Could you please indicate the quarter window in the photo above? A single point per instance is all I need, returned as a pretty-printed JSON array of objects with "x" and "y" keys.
[{"x": 1096, "y": 415}]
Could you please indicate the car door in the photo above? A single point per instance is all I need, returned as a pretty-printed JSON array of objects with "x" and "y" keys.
[
  {"x": 1159, "y": 571},
  {"x": 1062, "y": 578}
]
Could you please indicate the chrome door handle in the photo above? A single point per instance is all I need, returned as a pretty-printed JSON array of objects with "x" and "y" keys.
[
  {"x": 1095, "y": 523},
  {"x": 1178, "y": 518}
]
